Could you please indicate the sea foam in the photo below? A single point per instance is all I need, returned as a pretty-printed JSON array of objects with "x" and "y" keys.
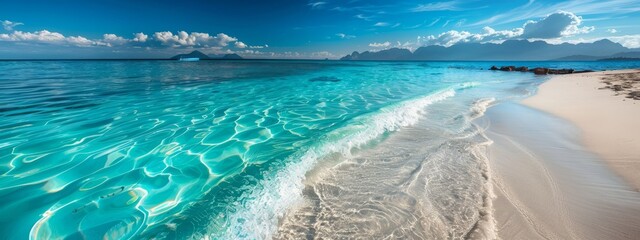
[{"x": 257, "y": 217}]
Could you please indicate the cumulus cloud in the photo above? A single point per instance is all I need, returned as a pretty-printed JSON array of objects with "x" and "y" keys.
[
  {"x": 37, "y": 36},
  {"x": 560, "y": 24},
  {"x": 112, "y": 39},
  {"x": 140, "y": 37},
  {"x": 194, "y": 39},
  {"x": 80, "y": 41},
  {"x": 380, "y": 45},
  {"x": 453, "y": 37},
  {"x": 47, "y": 37},
  {"x": 223, "y": 39},
  {"x": 240, "y": 45},
  {"x": 9, "y": 25},
  {"x": 554, "y": 26},
  {"x": 612, "y": 30}
]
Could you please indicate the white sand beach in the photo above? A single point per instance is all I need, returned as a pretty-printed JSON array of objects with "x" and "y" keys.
[
  {"x": 608, "y": 120},
  {"x": 565, "y": 162}
]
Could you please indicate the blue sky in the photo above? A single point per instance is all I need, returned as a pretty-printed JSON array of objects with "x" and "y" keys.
[{"x": 297, "y": 29}]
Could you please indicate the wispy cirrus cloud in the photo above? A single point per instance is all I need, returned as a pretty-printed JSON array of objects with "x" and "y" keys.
[
  {"x": 363, "y": 17},
  {"x": 534, "y": 9},
  {"x": 9, "y": 25},
  {"x": 381, "y": 24},
  {"x": 446, "y": 23},
  {"x": 434, "y": 22},
  {"x": 317, "y": 4},
  {"x": 438, "y": 6},
  {"x": 344, "y": 36}
]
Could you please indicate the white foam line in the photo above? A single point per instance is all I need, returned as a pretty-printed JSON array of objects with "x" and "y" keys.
[{"x": 256, "y": 217}]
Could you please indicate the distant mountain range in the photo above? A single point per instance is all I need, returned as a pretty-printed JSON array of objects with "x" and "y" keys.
[
  {"x": 202, "y": 56},
  {"x": 615, "y": 57},
  {"x": 511, "y": 50}
]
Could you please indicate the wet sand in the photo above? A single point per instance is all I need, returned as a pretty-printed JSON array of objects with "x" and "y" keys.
[{"x": 548, "y": 186}]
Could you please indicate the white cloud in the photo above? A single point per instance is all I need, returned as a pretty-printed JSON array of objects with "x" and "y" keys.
[
  {"x": 316, "y": 4},
  {"x": 37, "y": 36},
  {"x": 381, "y": 24},
  {"x": 9, "y": 25},
  {"x": 437, "y": 6},
  {"x": 612, "y": 30},
  {"x": 219, "y": 42},
  {"x": 453, "y": 37},
  {"x": 344, "y": 36},
  {"x": 534, "y": 9},
  {"x": 184, "y": 39},
  {"x": 112, "y": 39},
  {"x": 363, "y": 17},
  {"x": 140, "y": 37},
  {"x": 47, "y": 37},
  {"x": 223, "y": 39},
  {"x": 434, "y": 22},
  {"x": 240, "y": 45},
  {"x": 80, "y": 41},
  {"x": 556, "y": 25},
  {"x": 380, "y": 45},
  {"x": 560, "y": 24},
  {"x": 630, "y": 41}
]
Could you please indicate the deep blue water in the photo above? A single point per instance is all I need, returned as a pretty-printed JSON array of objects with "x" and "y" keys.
[{"x": 140, "y": 149}]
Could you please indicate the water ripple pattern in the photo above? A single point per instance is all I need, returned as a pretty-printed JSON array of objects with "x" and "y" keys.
[{"x": 163, "y": 149}]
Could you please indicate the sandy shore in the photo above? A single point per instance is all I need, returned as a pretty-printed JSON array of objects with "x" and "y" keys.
[
  {"x": 608, "y": 120},
  {"x": 550, "y": 180}
]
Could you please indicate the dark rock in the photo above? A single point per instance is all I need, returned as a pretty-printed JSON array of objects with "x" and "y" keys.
[
  {"x": 541, "y": 71},
  {"x": 507, "y": 68},
  {"x": 635, "y": 94},
  {"x": 617, "y": 88},
  {"x": 522, "y": 69},
  {"x": 560, "y": 71},
  {"x": 493, "y": 68}
]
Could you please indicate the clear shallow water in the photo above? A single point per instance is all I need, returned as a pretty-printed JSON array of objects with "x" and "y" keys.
[{"x": 139, "y": 149}]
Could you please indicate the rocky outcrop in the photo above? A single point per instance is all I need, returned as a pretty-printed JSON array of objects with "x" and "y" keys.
[
  {"x": 540, "y": 71},
  {"x": 536, "y": 71}
]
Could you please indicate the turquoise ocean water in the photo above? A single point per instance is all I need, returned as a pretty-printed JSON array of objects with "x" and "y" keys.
[{"x": 235, "y": 149}]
